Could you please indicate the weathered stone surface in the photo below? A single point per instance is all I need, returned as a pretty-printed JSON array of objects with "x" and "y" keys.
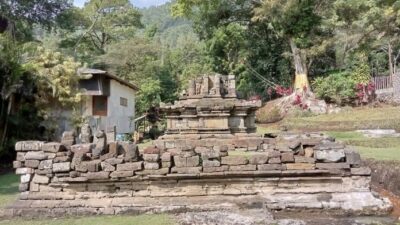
[
  {"x": 362, "y": 171},
  {"x": 50, "y": 155},
  {"x": 192, "y": 161},
  {"x": 97, "y": 175},
  {"x": 215, "y": 169},
  {"x": 20, "y": 156},
  {"x": 329, "y": 155},
  {"x": 332, "y": 166},
  {"x": 257, "y": 159},
  {"x": 353, "y": 158},
  {"x": 100, "y": 144},
  {"x": 166, "y": 157},
  {"x": 17, "y": 164},
  {"x": 151, "y": 150},
  {"x": 23, "y": 187},
  {"x": 151, "y": 157},
  {"x": 32, "y": 163},
  {"x": 47, "y": 172},
  {"x": 61, "y": 167},
  {"x": 118, "y": 174},
  {"x": 303, "y": 159},
  {"x": 274, "y": 160},
  {"x": 93, "y": 166},
  {"x": 28, "y": 146},
  {"x": 243, "y": 168},
  {"x": 52, "y": 147},
  {"x": 62, "y": 159},
  {"x": 234, "y": 160},
  {"x": 166, "y": 164},
  {"x": 130, "y": 151},
  {"x": 82, "y": 148},
  {"x": 21, "y": 171},
  {"x": 300, "y": 166},
  {"x": 38, "y": 155},
  {"x": 294, "y": 144},
  {"x": 187, "y": 170},
  {"x": 107, "y": 167},
  {"x": 287, "y": 157},
  {"x": 273, "y": 154},
  {"x": 134, "y": 166},
  {"x": 162, "y": 171},
  {"x": 308, "y": 152},
  {"x": 329, "y": 145},
  {"x": 26, "y": 178},
  {"x": 113, "y": 148},
  {"x": 211, "y": 163},
  {"x": 210, "y": 154},
  {"x": 266, "y": 167},
  {"x": 114, "y": 161},
  {"x": 40, "y": 179},
  {"x": 151, "y": 166}
]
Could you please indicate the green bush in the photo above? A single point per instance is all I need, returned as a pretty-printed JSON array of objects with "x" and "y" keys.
[{"x": 336, "y": 88}]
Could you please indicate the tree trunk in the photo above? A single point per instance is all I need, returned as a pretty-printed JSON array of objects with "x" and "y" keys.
[
  {"x": 9, "y": 108},
  {"x": 301, "y": 72},
  {"x": 390, "y": 55}
]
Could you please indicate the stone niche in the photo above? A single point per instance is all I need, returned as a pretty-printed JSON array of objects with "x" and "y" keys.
[{"x": 210, "y": 106}]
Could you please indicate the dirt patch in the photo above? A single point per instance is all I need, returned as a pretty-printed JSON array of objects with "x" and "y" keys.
[
  {"x": 386, "y": 181},
  {"x": 393, "y": 198},
  {"x": 385, "y": 174}
]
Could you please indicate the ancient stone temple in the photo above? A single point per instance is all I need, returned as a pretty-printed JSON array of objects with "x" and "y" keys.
[
  {"x": 210, "y": 106},
  {"x": 210, "y": 159}
]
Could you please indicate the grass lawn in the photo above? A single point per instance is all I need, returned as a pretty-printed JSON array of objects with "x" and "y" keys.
[
  {"x": 100, "y": 220},
  {"x": 376, "y": 148},
  {"x": 8, "y": 188},
  {"x": 387, "y": 117},
  {"x": 9, "y": 192}
]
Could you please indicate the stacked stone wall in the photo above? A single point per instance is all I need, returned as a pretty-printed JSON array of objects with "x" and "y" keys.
[{"x": 305, "y": 171}]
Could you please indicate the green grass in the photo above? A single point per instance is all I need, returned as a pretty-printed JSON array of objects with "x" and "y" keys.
[
  {"x": 353, "y": 119},
  {"x": 101, "y": 220},
  {"x": 8, "y": 189},
  {"x": 376, "y": 148}
]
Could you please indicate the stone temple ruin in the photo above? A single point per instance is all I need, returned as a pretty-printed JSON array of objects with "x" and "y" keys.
[{"x": 210, "y": 158}]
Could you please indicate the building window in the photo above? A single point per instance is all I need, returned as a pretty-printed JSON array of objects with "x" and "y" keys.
[
  {"x": 123, "y": 101},
  {"x": 99, "y": 105}
]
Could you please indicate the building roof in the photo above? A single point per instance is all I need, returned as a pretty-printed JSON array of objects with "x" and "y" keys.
[{"x": 86, "y": 71}]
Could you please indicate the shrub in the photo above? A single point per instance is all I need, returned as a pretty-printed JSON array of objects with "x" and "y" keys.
[{"x": 336, "y": 88}]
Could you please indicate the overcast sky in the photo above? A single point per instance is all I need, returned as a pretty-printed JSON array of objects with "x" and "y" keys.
[{"x": 137, "y": 3}]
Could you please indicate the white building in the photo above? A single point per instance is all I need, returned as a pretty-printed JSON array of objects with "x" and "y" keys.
[{"x": 109, "y": 101}]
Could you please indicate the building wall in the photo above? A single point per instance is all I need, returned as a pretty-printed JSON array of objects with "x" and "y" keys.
[{"x": 118, "y": 115}]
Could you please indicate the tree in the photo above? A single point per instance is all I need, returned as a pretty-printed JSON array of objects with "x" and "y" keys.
[
  {"x": 301, "y": 24},
  {"x": 18, "y": 16},
  {"x": 100, "y": 23},
  {"x": 236, "y": 44},
  {"x": 56, "y": 83}
]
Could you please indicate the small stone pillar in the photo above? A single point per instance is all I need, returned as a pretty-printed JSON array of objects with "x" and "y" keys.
[
  {"x": 192, "y": 88},
  {"x": 217, "y": 84},
  {"x": 205, "y": 88},
  {"x": 231, "y": 86}
]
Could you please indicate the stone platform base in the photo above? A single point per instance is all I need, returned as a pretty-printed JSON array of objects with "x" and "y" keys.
[{"x": 342, "y": 195}]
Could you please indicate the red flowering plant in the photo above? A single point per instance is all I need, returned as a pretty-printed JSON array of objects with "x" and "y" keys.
[
  {"x": 365, "y": 93},
  {"x": 279, "y": 91}
]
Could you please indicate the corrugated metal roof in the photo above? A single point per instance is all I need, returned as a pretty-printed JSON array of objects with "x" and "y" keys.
[{"x": 84, "y": 71}]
